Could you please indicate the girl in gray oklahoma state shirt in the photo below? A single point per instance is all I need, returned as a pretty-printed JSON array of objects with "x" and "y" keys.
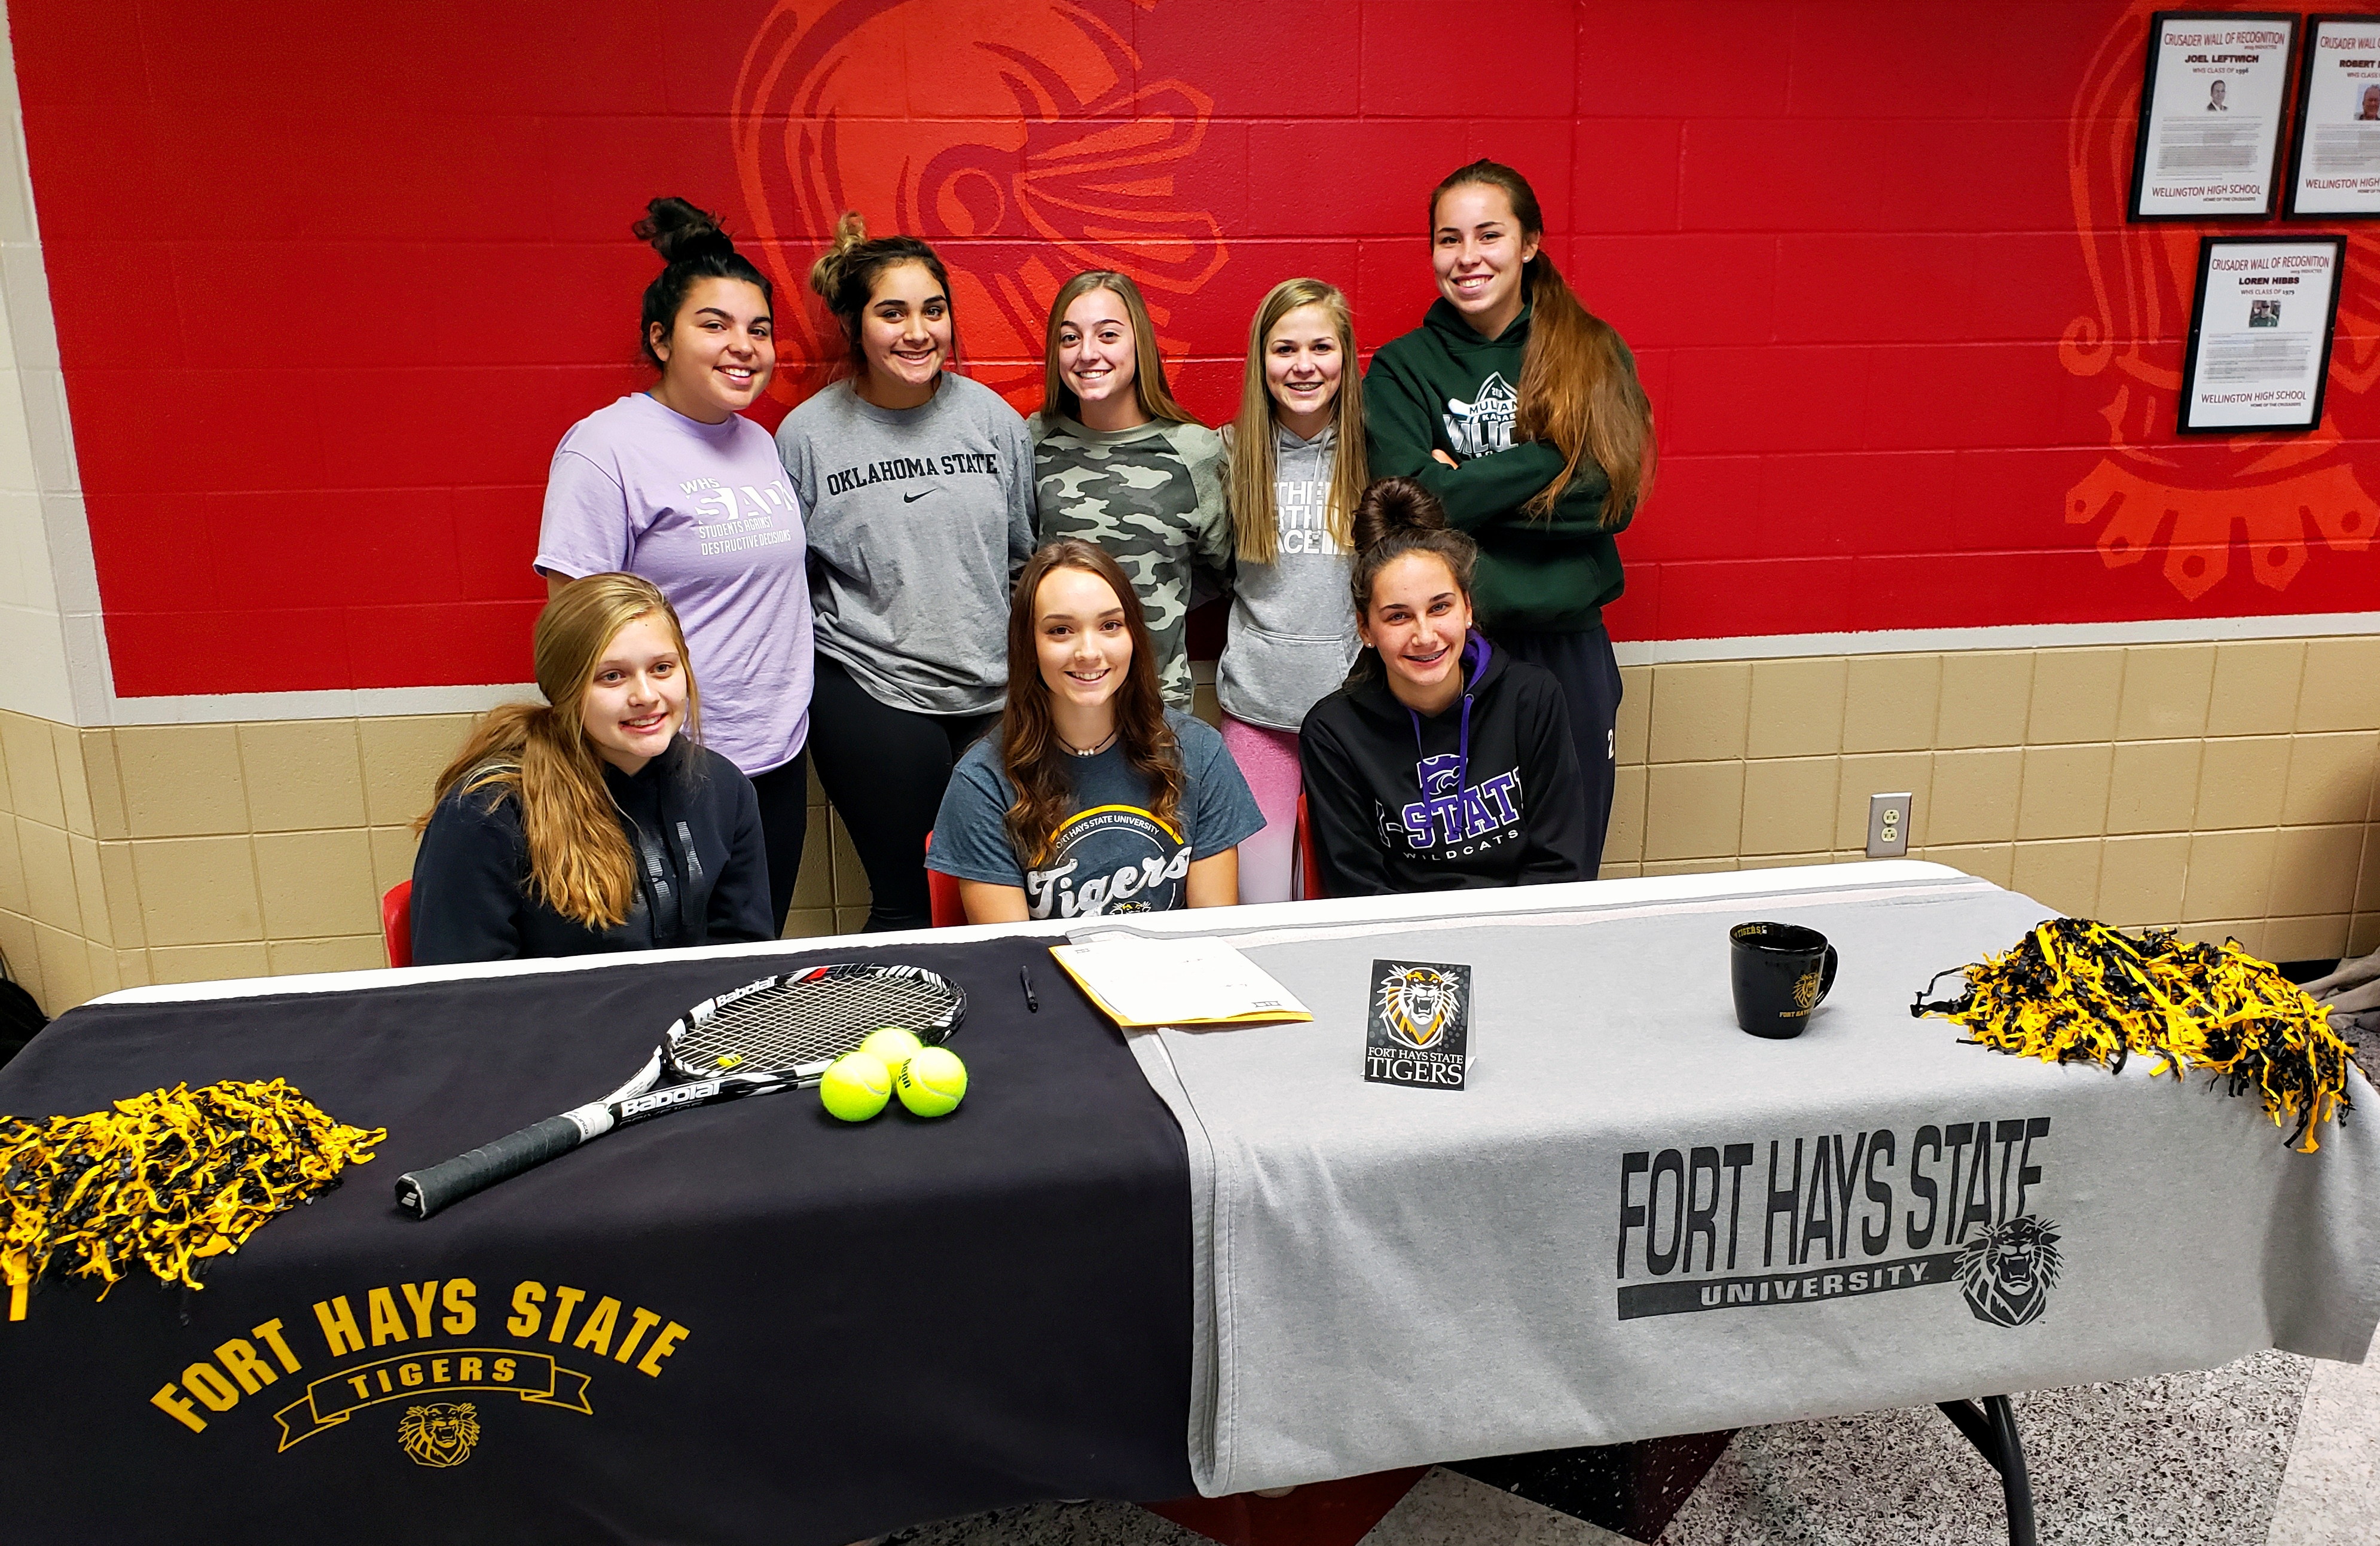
[{"x": 919, "y": 489}]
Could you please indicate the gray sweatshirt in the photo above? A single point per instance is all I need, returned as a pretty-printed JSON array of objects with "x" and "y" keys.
[
  {"x": 920, "y": 520},
  {"x": 1152, "y": 496},
  {"x": 1292, "y": 622}
]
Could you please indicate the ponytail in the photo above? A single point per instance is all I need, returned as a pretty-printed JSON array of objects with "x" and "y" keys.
[
  {"x": 1578, "y": 388},
  {"x": 1580, "y": 395}
]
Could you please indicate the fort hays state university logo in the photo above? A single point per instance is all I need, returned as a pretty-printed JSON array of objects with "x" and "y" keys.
[
  {"x": 1418, "y": 1004},
  {"x": 1419, "y": 1029},
  {"x": 2007, "y": 1272},
  {"x": 441, "y": 1434}
]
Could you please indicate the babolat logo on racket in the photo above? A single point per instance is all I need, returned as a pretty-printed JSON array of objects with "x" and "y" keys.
[
  {"x": 662, "y": 1100},
  {"x": 1790, "y": 1221},
  {"x": 737, "y": 995}
]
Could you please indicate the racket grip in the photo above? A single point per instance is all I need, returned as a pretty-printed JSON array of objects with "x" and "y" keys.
[{"x": 423, "y": 1192}]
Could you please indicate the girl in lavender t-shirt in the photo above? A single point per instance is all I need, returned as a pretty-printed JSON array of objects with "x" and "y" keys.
[{"x": 674, "y": 485}]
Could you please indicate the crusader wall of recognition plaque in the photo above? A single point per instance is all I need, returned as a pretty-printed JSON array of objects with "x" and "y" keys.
[
  {"x": 2209, "y": 144},
  {"x": 2260, "y": 333}
]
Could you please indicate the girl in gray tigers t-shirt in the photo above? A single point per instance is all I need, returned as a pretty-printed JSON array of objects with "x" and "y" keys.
[
  {"x": 1092, "y": 796},
  {"x": 917, "y": 486},
  {"x": 1118, "y": 462}
]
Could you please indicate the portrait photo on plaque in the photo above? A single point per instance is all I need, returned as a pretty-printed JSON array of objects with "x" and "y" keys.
[
  {"x": 2260, "y": 333},
  {"x": 2335, "y": 155},
  {"x": 2212, "y": 106}
]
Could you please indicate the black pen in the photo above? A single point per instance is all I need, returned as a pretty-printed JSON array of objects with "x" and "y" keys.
[{"x": 1024, "y": 976}]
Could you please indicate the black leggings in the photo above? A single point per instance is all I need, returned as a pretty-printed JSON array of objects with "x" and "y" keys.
[
  {"x": 885, "y": 769},
  {"x": 1589, "y": 676},
  {"x": 785, "y": 824}
]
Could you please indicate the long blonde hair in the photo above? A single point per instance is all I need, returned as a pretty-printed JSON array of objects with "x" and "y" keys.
[
  {"x": 579, "y": 862},
  {"x": 1255, "y": 518},
  {"x": 1578, "y": 390},
  {"x": 1148, "y": 366}
]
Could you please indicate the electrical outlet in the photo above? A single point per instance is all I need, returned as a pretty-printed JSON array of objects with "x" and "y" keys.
[{"x": 1887, "y": 825}]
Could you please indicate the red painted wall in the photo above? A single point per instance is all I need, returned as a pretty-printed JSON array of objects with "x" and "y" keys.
[{"x": 330, "y": 283}]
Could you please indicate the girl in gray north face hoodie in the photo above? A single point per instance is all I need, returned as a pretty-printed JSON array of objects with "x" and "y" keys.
[{"x": 1297, "y": 471}]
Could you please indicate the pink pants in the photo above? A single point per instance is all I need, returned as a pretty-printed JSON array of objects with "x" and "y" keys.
[{"x": 1268, "y": 760}]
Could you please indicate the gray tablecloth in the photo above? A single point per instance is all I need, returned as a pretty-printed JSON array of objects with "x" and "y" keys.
[{"x": 1639, "y": 1220}]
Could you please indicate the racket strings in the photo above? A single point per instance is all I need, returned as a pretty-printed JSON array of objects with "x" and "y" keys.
[{"x": 806, "y": 1023}]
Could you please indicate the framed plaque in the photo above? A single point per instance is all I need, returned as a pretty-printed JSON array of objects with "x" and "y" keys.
[
  {"x": 2260, "y": 333},
  {"x": 2209, "y": 144},
  {"x": 2334, "y": 157}
]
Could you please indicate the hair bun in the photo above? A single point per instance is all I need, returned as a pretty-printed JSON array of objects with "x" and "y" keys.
[
  {"x": 1395, "y": 504},
  {"x": 680, "y": 232},
  {"x": 826, "y": 273}
]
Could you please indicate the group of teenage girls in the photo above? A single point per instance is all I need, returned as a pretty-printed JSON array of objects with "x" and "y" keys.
[{"x": 972, "y": 623}]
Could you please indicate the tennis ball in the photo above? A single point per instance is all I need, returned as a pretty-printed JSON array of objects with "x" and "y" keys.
[
  {"x": 894, "y": 1045},
  {"x": 856, "y": 1086},
  {"x": 933, "y": 1083}
]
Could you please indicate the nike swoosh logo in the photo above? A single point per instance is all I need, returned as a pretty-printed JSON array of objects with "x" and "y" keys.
[{"x": 912, "y": 498}]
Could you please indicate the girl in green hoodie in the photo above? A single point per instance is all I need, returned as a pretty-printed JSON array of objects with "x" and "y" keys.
[{"x": 1521, "y": 412}]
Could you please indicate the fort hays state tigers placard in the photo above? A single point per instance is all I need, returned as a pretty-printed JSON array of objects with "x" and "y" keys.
[{"x": 1419, "y": 1032}]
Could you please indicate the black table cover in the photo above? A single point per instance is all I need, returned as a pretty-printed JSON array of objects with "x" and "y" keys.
[{"x": 776, "y": 1328}]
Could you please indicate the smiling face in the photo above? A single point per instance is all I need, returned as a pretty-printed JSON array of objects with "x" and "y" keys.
[
  {"x": 1303, "y": 363},
  {"x": 1417, "y": 619},
  {"x": 1100, "y": 361},
  {"x": 1478, "y": 249},
  {"x": 637, "y": 700},
  {"x": 904, "y": 335},
  {"x": 720, "y": 352},
  {"x": 1085, "y": 649}
]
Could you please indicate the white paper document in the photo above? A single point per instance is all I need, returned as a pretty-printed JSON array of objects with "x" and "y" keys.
[{"x": 1176, "y": 982}]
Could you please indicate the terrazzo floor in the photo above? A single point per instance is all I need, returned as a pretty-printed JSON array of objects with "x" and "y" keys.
[{"x": 2275, "y": 1448}]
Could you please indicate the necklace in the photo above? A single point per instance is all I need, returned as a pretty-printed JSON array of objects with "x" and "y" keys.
[{"x": 1084, "y": 751}]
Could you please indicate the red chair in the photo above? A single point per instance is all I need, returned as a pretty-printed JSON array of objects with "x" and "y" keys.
[
  {"x": 1318, "y": 1513},
  {"x": 397, "y": 923},
  {"x": 1305, "y": 883},
  {"x": 942, "y": 893}
]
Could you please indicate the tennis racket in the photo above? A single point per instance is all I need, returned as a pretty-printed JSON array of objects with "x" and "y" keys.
[{"x": 778, "y": 1033}]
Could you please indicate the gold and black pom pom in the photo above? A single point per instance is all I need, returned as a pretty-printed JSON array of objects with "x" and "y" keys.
[
  {"x": 164, "y": 1180},
  {"x": 2077, "y": 992}
]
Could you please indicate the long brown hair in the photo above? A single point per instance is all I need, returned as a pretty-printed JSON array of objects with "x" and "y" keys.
[
  {"x": 1578, "y": 390},
  {"x": 579, "y": 862},
  {"x": 1041, "y": 768},
  {"x": 1255, "y": 520},
  {"x": 1148, "y": 366}
]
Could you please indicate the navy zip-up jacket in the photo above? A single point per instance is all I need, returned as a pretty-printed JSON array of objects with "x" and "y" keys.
[{"x": 693, "y": 823}]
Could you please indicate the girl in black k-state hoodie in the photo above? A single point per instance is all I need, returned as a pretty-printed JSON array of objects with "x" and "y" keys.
[{"x": 1442, "y": 763}]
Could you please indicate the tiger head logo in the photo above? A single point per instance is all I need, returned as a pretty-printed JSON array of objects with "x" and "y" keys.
[
  {"x": 2007, "y": 1272},
  {"x": 441, "y": 1434},
  {"x": 1418, "y": 1004},
  {"x": 1806, "y": 992}
]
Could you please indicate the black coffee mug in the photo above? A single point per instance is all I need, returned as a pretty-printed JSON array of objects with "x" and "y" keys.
[{"x": 1782, "y": 971}]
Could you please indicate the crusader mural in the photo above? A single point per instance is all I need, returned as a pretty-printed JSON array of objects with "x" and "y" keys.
[{"x": 2285, "y": 498}]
